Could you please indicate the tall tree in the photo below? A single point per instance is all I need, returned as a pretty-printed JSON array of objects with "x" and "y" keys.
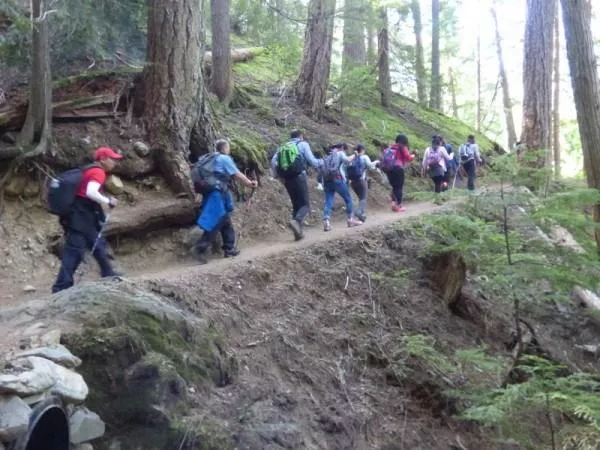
[
  {"x": 537, "y": 76},
  {"x": 453, "y": 101},
  {"x": 479, "y": 93},
  {"x": 383, "y": 63},
  {"x": 556, "y": 105},
  {"x": 371, "y": 29},
  {"x": 355, "y": 53},
  {"x": 435, "y": 96},
  {"x": 221, "y": 80},
  {"x": 586, "y": 89},
  {"x": 311, "y": 86},
  {"x": 508, "y": 114},
  {"x": 37, "y": 129},
  {"x": 415, "y": 7},
  {"x": 174, "y": 86}
]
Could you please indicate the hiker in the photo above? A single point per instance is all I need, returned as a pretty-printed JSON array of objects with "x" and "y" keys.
[
  {"x": 469, "y": 155},
  {"x": 83, "y": 223},
  {"x": 217, "y": 202},
  {"x": 334, "y": 181},
  {"x": 289, "y": 163},
  {"x": 394, "y": 160},
  {"x": 356, "y": 172},
  {"x": 452, "y": 164},
  {"x": 434, "y": 162}
]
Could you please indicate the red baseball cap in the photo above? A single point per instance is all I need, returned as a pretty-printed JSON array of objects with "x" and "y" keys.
[{"x": 106, "y": 152}]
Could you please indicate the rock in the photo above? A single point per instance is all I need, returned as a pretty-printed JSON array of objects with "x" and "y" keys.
[
  {"x": 51, "y": 338},
  {"x": 67, "y": 384},
  {"x": 14, "y": 418},
  {"x": 25, "y": 382},
  {"x": 85, "y": 425},
  {"x": 59, "y": 354},
  {"x": 29, "y": 288},
  {"x": 563, "y": 238},
  {"x": 114, "y": 185},
  {"x": 141, "y": 149},
  {"x": 85, "y": 446}
]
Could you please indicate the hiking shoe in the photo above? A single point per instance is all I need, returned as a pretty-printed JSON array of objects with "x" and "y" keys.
[
  {"x": 326, "y": 225},
  {"x": 394, "y": 206},
  {"x": 296, "y": 229},
  {"x": 354, "y": 222},
  {"x": 362, "y": 218},
  {"x": 231, "y": 253},
  {"x": 200, "y": 255},
  {"x": 401, "y": 208}
]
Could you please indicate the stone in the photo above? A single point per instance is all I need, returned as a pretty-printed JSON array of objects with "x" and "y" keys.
[
  {"x": 85, "y": 446},
  {"x": 114, "y": 185},
  {"x": 33, "y": 399},
  {"x": 51, "y": 338},
  {"x": 14, "y": 418},
  {"x": 29, "y": 288},
  {"x": 24, "y": 381},
  {"x": 85, "y": 425},
  {"x": 141, "y": 149},
  {"x": 67, "y": 384},
  {"x": 59, "y": 354}
]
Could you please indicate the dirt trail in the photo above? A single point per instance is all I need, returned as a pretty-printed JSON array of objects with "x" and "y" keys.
[{"x": 284, "y": 242}]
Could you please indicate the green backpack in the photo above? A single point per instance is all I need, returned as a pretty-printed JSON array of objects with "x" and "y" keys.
[{"x": 289, "y": 162}]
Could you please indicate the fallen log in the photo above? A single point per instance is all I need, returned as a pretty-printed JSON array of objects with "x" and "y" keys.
[{"x": 149, "y": 216}]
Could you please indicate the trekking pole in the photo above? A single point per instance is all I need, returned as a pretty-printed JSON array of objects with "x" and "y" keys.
[
  {"x": 98, "y": 237},
  {"x": 455, "y": 174}
]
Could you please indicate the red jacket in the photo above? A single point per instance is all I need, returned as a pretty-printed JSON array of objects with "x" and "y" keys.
[{"x": 402, "y": 155}]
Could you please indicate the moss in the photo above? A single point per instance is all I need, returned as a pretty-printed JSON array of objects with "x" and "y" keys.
[{"x": 200, "y": 434}]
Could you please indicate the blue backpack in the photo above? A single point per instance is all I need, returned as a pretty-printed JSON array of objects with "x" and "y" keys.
[
  {"x": 62, "y": 190},
  {"x": 356, "y": 169}
]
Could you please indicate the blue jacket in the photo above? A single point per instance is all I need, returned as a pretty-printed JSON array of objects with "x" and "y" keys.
[{"x": 215, "y": 206}]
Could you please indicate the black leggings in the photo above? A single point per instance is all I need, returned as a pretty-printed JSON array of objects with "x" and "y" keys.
[
  {"x": 396, "y": 179},
  {"x": 437, "y": 181}
]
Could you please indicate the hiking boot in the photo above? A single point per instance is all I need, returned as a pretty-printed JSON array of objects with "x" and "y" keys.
[
  {"x": 296, "y": 229},
  {"x": 354, "y": 222},
  {"x": 362, "y": 218},
  {"x": 326, "y": 225},
  {"x": 200, "y": 255},
  {"x": 394, "y": 206},
  {"x": 231, "y": 253}
]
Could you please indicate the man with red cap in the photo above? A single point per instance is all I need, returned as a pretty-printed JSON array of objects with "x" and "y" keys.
[{"x": 83, "y": 224}]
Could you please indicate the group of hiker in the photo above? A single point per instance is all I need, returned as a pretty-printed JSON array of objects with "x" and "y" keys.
[{"x": 77, "y": 196}]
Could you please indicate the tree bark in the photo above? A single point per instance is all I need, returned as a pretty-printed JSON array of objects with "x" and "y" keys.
[
  {"x": 479, "y": 96},
  {"x": 435, "y": 96},
  {"x": 508, "y": 114},
  {"x": 415, "y": 8},
  {"x": 354, "y": 35},
  {"x": 454, "y": 102},
  {"x": 385, "y": 79},
  {"x": 38, "y": 121},
  {"x": 312, "y": 83},
  {"x": 221, "y": 80},
  {"x": 586, "y": 89},
  {"x": 174, "y": 86},
  {"x": 537, "y": 76},
  {"x": 371, "y": 30},
  {"x": 556, "y": 105}
]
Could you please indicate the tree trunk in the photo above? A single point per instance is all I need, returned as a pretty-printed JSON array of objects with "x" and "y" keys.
[
  {"x": 385, "y": 80},
  {"x": 174, "y": 86},
  {"x": 537, "y": 76},
  {"x": 556, "y": 106},
  {"x": 508, "y": 114},
  {"x": 586, "y": 89},
  {"x": 354, "y": 35},
  {"x": 454, "y": 103},
  {"x": 371, "y": 35},
  {"x": 479, "y": 100},
  {"x": 37, "y": 127},
  {"x": 415, "y": 8},
  {"x": 312, "y": 83},
  {"x": 221, "y": 79},
  {"x": 435, "y": 96}
]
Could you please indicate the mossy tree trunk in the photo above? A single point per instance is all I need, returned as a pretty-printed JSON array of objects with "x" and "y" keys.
[
  {"x": 383, "y": 45},
  {"x": 435, "y": 95},
  {"x": 537, "y": 77},
  {"x": 415, "y": 7},
  {"x": 355, "y": 53},
  {"x": 312, "y": 83},
  {"x": 37, "y": 129},
  {"x": 506, "y": 100},
  {"x": 174, "y": 86},
  {"x": 577, "y": 16},
  {"x": 221, "y": 80}
]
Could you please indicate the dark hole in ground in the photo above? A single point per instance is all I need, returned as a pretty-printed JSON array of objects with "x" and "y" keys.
[{"x": 48, "y": 428}]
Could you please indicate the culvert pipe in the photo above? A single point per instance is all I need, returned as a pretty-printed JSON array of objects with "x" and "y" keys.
[{"x": 48, "y": 428}]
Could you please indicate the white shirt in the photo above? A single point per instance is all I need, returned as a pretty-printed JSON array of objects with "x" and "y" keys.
[{"x": 445, "y": 157}]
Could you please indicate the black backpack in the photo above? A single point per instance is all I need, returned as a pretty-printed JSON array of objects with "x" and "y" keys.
[{"x": 62, "y": 190}]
